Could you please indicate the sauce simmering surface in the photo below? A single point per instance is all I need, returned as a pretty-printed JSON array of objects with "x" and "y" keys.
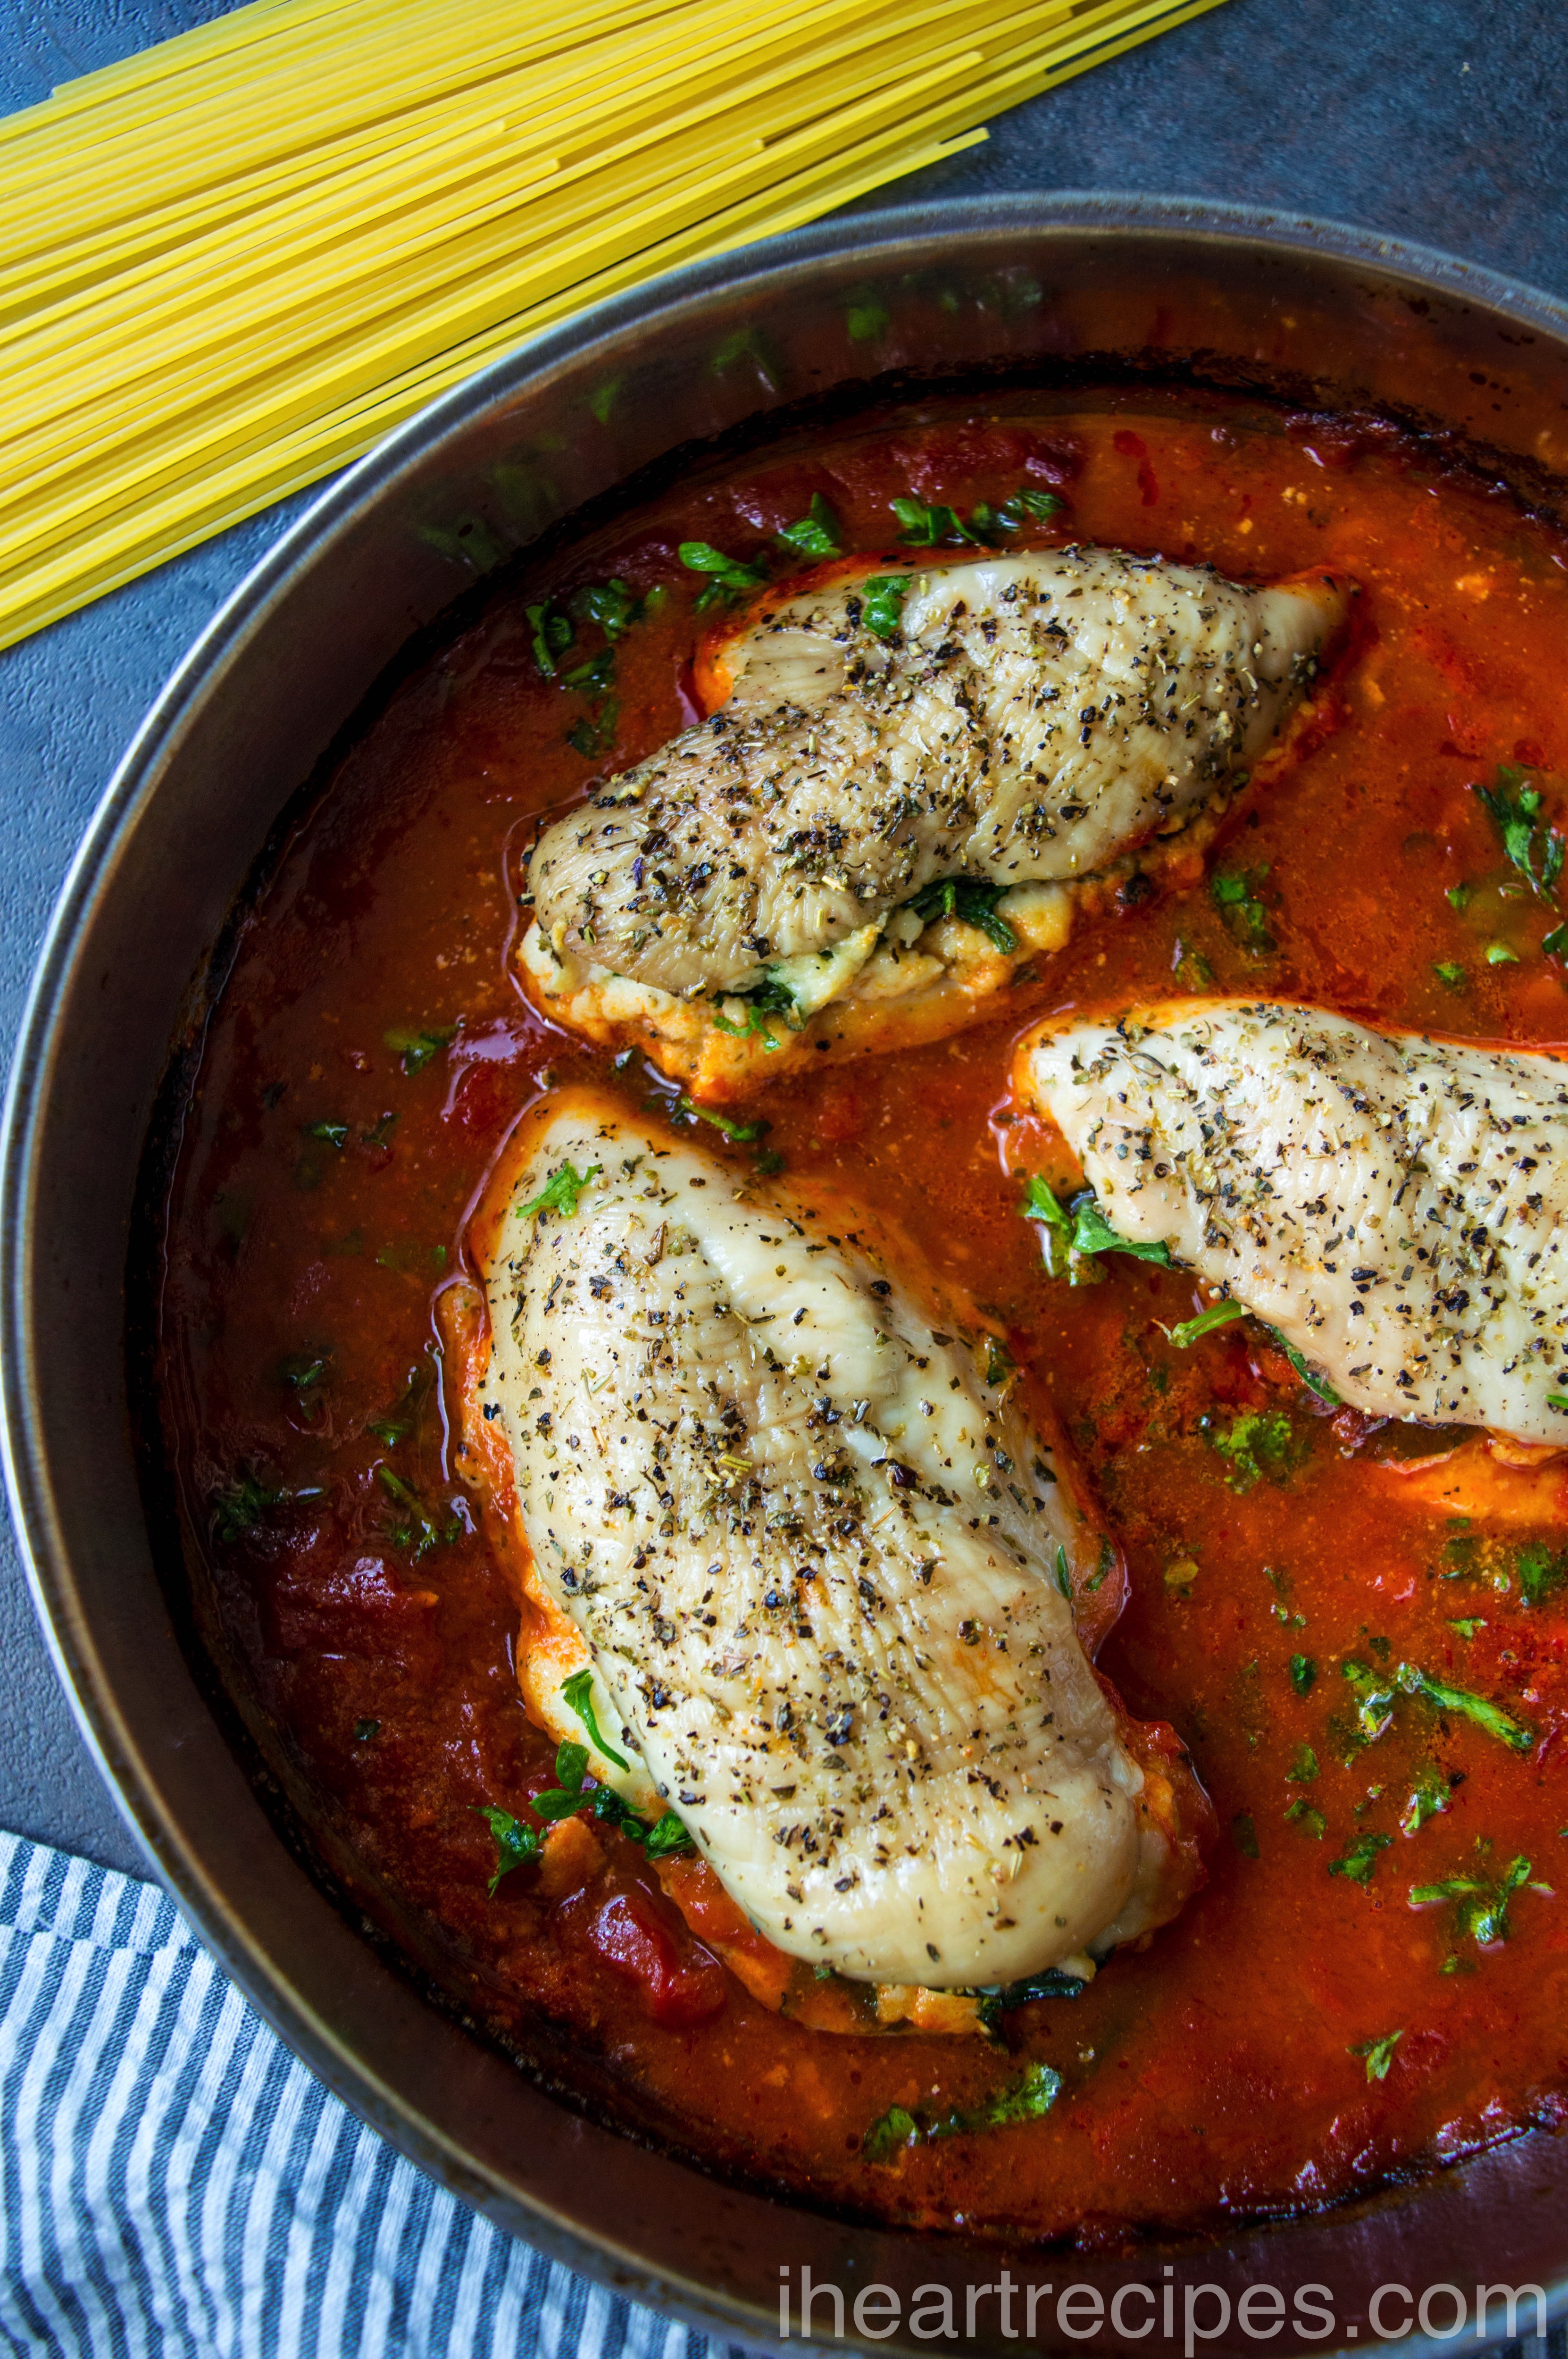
[{"x": 1303, "y": 2028}]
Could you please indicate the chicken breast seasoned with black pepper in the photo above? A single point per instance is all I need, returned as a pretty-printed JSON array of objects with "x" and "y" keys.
[
  {"x": 1392, "y": 1204},
  {"x": 819, "y": 1563},
  {"x": 912, "y": 781}
]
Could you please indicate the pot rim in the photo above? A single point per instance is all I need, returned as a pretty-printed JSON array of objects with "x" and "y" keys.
[{"x": 882, "y": 235}]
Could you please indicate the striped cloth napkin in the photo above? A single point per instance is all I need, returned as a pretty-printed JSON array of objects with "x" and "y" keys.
[{"x": 175, "y": 2185}]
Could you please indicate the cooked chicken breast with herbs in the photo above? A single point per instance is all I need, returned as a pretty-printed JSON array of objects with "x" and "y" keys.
[
  {"x": 819, "y": 1564},
  {"x": 1392, "y": 1204},
  {"x": 913, "y": 780}
]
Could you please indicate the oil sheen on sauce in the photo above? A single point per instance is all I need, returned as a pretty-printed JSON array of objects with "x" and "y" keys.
[{"x": 368, "y": 1056}]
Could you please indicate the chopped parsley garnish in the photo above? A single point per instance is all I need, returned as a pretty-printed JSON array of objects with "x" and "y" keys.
[
  {"x": 567, "y": 1797},
  {"x": 769, "y": 997},
  {"x": 990, "y": 523},
  {"x": 417, "y": 1529},
  {"x": 1241, "y": 907},
  {"x": 365, "y": 1729},
  {"x": 595, "y": 679},
  {"x": 613, "y": 606},
  {"x": 1063, "y": 1582},
  {"x": 1450, "y": 974},
  {"x": 515, "y": 1843},
  {"x": 1306, "y": 1820},
  {"x": 243, "y": 1505},
  {"x": 730, "y": 579},
  {"x": 743, "y": 1133},
  {"x": 1244, "y": 1835},
  {"x": 1092, "y": 1234},
  {"x": 1192, "y": 966},
  {"x": 1219, "y": 1314},
  {"x": 818, "y": 533},
  {"x": 1558, "y": 1401},
  {"x": 1376, "y": 1697},
  {"x": 576, "y": 1694},
  {"x": 969, "y": 899},
  {"x": 1469, "y": 1556},
  {"x": 1304, "y": 1769},
  {"x": 560, "y": 1192},
  {"x": 1026, "y": 2099},
  {"x": 746, "y": 345},
  {"x": 1483, "y": 1902},
  {"x": 1379, "y": 2053},
  {"x": 1466, "y": 1624},
  {"x": 1515, "y": 811},
  {"x": 1357, "y": 1862},
  {"x": 665, "y": 1837},
  {"x": 1378, "y": 1692},
  {"x": 400, "y": 1420},
  {"x": 331, "y": 1134},
  {"x": 1001, "y": 1999},
  {"x": 926, "y": 526},
  {"x": 1079, "y": 1229},
  {"x": 1260, "y": 1442},
  {"x": 882, "y": 604},
  {"x": 1303, "y": 1672},
  {"x": 595, "y": 733},
  {"x": 866, "y": 319},
  {"x": 1428, "y": 1798},
  {"x": 416, "y": 1048},
  {"x": 592, "y": 677},
  {"x": 575, "y": 1791},
  {"x": 303, "y": 1371},
  {"x": 1489, "y": 1716},
  {"x": 1325, "y": 1392},
  {"x": 1536, "y": 850},
  {"x": 1041, "y": 1202},
  {"x": 1541, "y": 1572},
  {"x": 552, "y": 635}
]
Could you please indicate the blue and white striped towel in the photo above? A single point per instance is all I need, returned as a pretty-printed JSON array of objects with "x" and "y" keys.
[{"x": 175, "y": 2185}]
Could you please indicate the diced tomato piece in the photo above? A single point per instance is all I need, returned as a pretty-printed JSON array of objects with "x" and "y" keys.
[{"x": 629, "y": 1936}]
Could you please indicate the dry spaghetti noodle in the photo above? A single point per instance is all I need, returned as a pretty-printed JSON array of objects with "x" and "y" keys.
[{"x": 237, "y": 259}]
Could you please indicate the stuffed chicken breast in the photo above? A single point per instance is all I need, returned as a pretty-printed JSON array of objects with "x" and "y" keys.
[
  {"x": 1392, "y": 1204},
  {"x": 913, "y": 780},
  {"x": 818, "y": 1564}
]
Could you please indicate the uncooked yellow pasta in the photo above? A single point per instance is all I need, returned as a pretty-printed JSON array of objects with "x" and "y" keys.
[{"x": 237, "y": 259}]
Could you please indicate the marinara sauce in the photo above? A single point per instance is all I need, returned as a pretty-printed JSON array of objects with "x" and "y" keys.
[{"x": 1304, "y": 2029}]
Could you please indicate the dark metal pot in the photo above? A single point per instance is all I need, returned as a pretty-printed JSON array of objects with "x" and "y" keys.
[{"x": 1088, "y": 284}]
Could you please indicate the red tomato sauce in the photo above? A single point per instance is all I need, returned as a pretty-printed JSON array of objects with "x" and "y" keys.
[{"x": 1303, "y": 2030}]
